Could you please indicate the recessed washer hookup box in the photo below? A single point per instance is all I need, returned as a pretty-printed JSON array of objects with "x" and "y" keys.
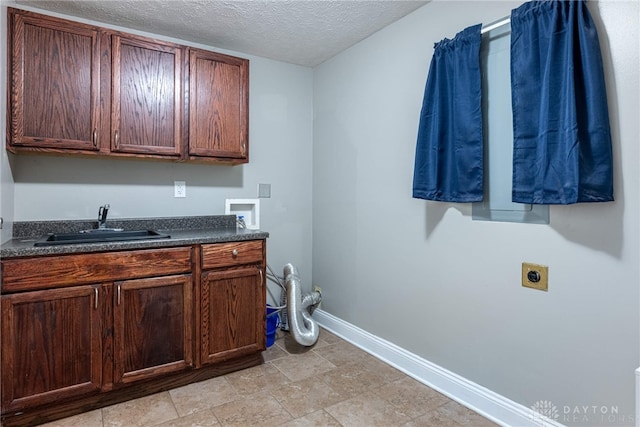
[{"x": 248, "y": 208}]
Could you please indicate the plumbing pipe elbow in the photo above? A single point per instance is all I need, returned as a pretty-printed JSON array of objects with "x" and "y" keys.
[{"x": 303, "y": 328}]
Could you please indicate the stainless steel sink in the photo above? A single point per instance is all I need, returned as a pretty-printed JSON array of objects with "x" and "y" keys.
[{"x": 99, "y": 236}]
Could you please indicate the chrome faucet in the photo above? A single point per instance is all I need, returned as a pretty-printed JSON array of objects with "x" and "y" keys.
[
  {"x": 102, "y": 217},
  {"x": 102, "y": 221}
]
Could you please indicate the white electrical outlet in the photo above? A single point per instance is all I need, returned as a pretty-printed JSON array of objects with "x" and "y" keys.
[{"x": 179, "y": 189}]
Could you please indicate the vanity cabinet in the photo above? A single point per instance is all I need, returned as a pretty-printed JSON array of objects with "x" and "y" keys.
[
  {"x": 82, "y": 331},
  {"x": 54, "y": 83},
  {"x": 59, "y": 324},
  {"x": 76, "y": 88}
]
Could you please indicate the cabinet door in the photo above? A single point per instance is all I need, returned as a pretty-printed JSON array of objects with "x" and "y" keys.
[
  {"x": 218, "y": 105},
  {"x": 51, "y": 345},
  {"x": 232, "y": 313},
  {"x": 152, "y": 327},
  {"x": 146, "y": 91},
  {"x": 54, "y": 83}
]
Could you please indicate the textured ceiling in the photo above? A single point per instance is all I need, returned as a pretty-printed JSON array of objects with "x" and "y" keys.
[{"x": 304, "y": 32}]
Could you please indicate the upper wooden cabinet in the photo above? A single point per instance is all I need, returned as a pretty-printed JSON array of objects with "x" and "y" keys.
[
  {"x": 80, "y": 89},
  {"x": 54, "y": 75},
  {"x": 146, "y": 96},
  {"x": 218, "y": 105}
]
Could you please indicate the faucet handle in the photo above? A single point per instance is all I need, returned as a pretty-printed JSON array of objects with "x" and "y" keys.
[
  {"x": 103, "y": 211},
  {"x": 102, "y": 215}
]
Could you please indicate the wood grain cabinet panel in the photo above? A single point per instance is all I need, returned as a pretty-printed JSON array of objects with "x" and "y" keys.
[
  {"x": 218, "y": 106},
  {"x": 146, "y": 89},
  {"x": 152, "y": 327},
  {"x": 233, "y": 314},
  {"x": 230, "y": 254},
  {"x": 82, "y": 89},
  {"x": 232, "y": 300},
  {"x": 54, "y": 83},
  {"x": 51, "y": 345},
  {"x": 22, "y": 274}
]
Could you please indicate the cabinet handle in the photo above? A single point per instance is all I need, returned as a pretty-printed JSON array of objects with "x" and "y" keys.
[
  {"x": 118, "y": 289},
  {"x": 95, "y": 293},
  {"x": 234, "y": 252},
  {"x": 95, "y": 137},
  {"x": 116, "y": 138},
  {"x": 261, "y": 276}
]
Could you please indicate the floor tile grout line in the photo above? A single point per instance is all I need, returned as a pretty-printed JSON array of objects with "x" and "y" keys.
[
  {"x": 384, "y": 379},
  {"x": 293, "y": 418},
  {"x": 175, "y": 408}
]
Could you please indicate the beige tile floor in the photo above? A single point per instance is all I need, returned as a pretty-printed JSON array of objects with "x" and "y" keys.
[{"x": 332, "y": 383}]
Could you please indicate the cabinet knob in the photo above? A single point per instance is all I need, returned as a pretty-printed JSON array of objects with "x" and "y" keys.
[{"x": 234, "y": 252}]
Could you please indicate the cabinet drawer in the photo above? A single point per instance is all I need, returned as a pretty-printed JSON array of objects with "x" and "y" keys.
[
  {"x": 67, "y": 270},
  {"x": 230, "y": 254}
]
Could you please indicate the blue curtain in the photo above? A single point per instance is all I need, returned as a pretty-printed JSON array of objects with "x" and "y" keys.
[
  {"x": 562, "y": 141},
  {"x": 448, "y": 162}
]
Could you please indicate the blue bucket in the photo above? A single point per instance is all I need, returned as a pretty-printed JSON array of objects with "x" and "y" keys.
[{"x": 273, "y": 321}]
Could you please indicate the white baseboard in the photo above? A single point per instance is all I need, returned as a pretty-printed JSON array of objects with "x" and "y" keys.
[{"x": 491, "y": 405}]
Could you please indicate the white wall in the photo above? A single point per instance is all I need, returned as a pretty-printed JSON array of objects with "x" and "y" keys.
[
  {"x": 280, "y": 143},
  {"x": 426, "y": 277},
  {"x": 6, "y": 180},
  {"x": 422, "y": 275}
]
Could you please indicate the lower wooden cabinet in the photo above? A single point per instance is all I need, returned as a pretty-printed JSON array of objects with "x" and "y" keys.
[
  {"x": 232, "y": 300},
  {"x": 97, "y": 328},
  {"x": 233, "y": 311},
  {"x": 152, "y": 331},
  {"x": 51, "y": 345}
]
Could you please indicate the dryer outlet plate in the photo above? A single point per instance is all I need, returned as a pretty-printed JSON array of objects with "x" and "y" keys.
[{"x": 535, "y": 276}]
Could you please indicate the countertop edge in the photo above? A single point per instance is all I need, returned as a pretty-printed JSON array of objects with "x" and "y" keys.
[
  {"x": 24, "y": 248},
  {"x": 213, "y": 229}
]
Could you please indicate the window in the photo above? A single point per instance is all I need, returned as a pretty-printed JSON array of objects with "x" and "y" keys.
[{"x": 498, "y": 136}]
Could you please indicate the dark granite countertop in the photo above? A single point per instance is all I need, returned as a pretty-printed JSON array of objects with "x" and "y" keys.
[{"x": 183, "y": 231}]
